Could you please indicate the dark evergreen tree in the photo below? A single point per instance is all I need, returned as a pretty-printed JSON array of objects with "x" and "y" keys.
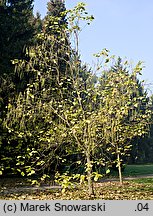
[
  {"x": 55, "y": 16},
  {"x": 16, "y": 32},
  {"x": 48, "y": 56},
  {"x": 142, "y": 150},
  {"x": 16, "y": 28},
  {"x": 55, "y": 28}
]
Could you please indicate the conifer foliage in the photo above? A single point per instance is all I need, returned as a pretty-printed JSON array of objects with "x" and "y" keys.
[{"x": 16, "y": 27}]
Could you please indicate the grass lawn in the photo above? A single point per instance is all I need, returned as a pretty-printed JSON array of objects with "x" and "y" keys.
[
  {"x": 137, "y": 189},
  {"x": 136, "y": 170}
]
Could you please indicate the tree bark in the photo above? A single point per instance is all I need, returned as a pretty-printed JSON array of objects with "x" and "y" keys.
[
  {"x": 119, "y": 168},
  {"x": 89, "y": 175}
]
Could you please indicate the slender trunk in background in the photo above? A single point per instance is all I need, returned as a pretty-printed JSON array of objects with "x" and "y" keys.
[{"x": 119, "y": 168}]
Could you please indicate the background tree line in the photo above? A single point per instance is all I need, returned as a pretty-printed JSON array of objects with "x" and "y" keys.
[{"x": 57, "y": 116}]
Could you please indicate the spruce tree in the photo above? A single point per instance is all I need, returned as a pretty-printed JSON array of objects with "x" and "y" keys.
[
  {"x": 45, "y": 67},
  {"x": 16, "y": 33},
  {"x": 55, "y": 9},
  {"x": 16, "y": 27}
]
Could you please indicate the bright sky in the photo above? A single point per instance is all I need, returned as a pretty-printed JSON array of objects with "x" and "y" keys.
[{"x": 125, "y": 27}]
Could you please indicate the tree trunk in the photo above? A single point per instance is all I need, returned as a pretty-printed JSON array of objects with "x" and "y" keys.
[
  {"x": 119, "y": 168},
  {"x": 89, "y": 175}
]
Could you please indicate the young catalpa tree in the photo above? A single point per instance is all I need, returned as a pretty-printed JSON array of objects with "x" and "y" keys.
[
  {"x": 57, "y": 110},
  {"x": 124, "y": 112}
]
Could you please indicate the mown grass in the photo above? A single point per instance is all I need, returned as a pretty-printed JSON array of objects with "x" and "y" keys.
[
  {"x": 136, "y": 170},
  {"x": 143, "y": 181}
]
